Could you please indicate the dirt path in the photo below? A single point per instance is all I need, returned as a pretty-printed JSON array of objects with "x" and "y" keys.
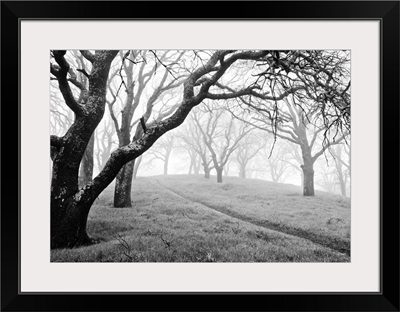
[{"x": 334, "y": 244}]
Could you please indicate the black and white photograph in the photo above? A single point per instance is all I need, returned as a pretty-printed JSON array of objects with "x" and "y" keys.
[
  {"x": 200, "y": 155},
  {"x": 245, "y": 154}
]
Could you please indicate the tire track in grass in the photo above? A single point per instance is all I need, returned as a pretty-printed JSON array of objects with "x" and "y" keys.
[{"x": 338, "y": 245}]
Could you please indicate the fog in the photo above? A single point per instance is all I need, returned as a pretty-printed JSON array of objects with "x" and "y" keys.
[
  {"x": 224, "y": 134},
  {"x": 200, "y": 155}
]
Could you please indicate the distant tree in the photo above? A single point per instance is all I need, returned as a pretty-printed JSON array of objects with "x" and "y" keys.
[
  {"x": 295, "y": 161},
  {"x": 61, "y": 116},
  {"x": 105, "y": 142},
  {"x": 162, "y": 150},
  {"x": 193, "y": 140},
  {"x": 318, "y": 104},
  {"x": 195, "y": 161},
  {"x": 279, "y": 160},
  {"x": 327, "y": 177},
  {"x": 247, "y": 149},
  {"x": 227, "y": 167},
  {"x": 296, "y": 126},
  {"x": 186, "y": 143},
  {"x": 341, "y": 157},
  {"x": 221, "y": 134},
  {"x": 80, "y": 80}
]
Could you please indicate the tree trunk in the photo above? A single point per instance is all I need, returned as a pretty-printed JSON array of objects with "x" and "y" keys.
[
  {"x": 308, "y": 184},
  {"x": 69, "y": 230},
  {"x": 342, "y": 183},
  {"x": 197, "y": 165},
  {"x": 343, "y": 188},
  {"x": 166, "y": 159},
  {"x": 190, "y": 166},
  {"x": 123, "y": 186},
  {"x": 307, "y": 167},
  {"x": 207, "y": 173},
  {"x": 86, "y": 167},
  {"x": 68, "y": 212},
  {"x": 242, "y": 172},
  {"x": 219, "y": 174},
  {"x": 192, "y": 161}
]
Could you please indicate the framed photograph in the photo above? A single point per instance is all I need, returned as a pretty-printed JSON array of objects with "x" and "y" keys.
[{"x": 242, "y": 155}]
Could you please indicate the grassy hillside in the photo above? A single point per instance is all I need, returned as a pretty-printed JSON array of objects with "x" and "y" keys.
[{"x": 184, "y": 218}]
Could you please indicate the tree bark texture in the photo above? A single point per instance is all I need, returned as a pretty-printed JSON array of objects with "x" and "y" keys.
[
  {"x": 123, "y": 186},
  {"x": 86, "y": 168},
  {"x": 308, "y": 184}
]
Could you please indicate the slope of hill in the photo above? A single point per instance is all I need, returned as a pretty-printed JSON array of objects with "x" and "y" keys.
[{"x": 186, "y": 218}]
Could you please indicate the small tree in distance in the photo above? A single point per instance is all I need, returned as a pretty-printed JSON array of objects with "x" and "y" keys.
[{"x": 221, "y": 134}]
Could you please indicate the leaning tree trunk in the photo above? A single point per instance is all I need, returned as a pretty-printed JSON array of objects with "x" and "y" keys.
[
  {"x": 123, "y": 186},
  {"x": 68, "y": 211},
  {"x": 86, "y": 168},
  {"x": 68, "y": 216}
]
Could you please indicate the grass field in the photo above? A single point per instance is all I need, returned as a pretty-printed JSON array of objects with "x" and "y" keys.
[{"x": 186, "y": 218}]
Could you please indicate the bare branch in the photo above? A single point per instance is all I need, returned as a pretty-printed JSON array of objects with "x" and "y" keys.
[
  {"x": 83, "y": 71},
  {"x": 65, "y": 89},
  {"x": 330, "y": 143},
  {"x": 88, "y": 55}
]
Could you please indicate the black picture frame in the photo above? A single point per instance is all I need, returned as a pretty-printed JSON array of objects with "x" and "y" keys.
[{"x": 387, "y": 12}]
